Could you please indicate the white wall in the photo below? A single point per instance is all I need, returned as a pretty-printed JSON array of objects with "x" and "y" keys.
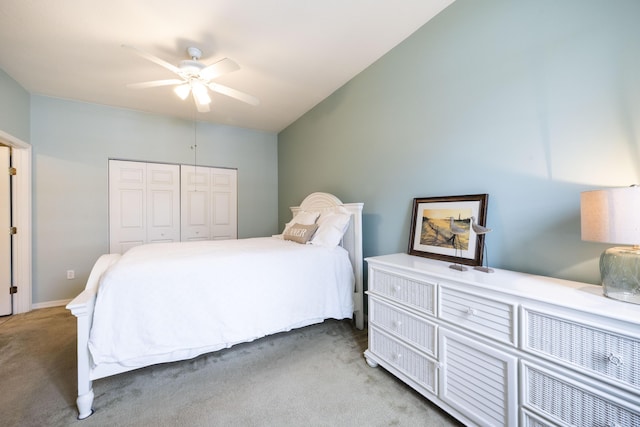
[{"x": 72, "y": 142}]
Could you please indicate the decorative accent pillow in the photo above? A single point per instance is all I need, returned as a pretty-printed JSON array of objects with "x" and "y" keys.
[
  {"x": 303, "y": 218},
  {"x": 331, "y": 228},
  {"x": 300, "y": 233}
]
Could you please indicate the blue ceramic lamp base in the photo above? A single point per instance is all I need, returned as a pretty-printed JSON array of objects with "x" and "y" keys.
[{"x": 620, "y": 272}]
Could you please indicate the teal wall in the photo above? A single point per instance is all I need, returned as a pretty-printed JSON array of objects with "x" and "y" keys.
[
  {"x": 14, "y": 108},
  {"x": 530, "y": 101},
  {"x": 72, "y": 142}
]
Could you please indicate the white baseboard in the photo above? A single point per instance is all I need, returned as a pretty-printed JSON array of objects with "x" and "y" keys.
[{"x": 49, "y": 304}]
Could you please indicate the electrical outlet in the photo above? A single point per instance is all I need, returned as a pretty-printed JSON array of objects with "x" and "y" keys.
[{"x": 71, "y": 274}]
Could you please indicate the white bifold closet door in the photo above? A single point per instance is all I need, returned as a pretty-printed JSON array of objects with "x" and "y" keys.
[
  {"x": 157, "y": 202},
  {"x": 144, "y": 204},
  {"x": 209, "y": 207}
]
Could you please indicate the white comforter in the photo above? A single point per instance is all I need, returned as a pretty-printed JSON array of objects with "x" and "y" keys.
[{"x": 171, "y": 301}]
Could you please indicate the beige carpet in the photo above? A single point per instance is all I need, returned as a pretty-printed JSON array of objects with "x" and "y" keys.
[{"x": 314, "y": 376}]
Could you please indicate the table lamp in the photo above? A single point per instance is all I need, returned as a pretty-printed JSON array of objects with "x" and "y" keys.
[{"x": 613, "y": 216}]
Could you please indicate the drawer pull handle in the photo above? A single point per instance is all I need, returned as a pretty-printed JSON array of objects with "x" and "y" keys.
[
  {"x": 396, "y": 357},
  {"x": 472, "y": 311},
  {"x": 397, "y": 324},
  {"x": 614, "y": 359},
  {"x": 396, "y": 288}
]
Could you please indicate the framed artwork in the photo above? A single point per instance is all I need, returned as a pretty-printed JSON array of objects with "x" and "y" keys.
[{"x": 441, "y": 228}]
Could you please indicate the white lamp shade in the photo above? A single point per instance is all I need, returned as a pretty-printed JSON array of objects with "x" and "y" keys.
[
  {"x": 200, "y": 93},
  {"x": 611, "y": 215},
  {"x": 183, "y": 91}
]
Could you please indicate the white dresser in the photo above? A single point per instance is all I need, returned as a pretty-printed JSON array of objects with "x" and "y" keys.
[{"x": 505, "y": 348}]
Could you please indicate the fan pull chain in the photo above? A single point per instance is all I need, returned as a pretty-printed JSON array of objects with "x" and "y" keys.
[{"x": 194, "y": 147}]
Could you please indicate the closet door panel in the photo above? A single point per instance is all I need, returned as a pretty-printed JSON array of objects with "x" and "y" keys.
[
  {"x": 224, "y": 223},
  {"x": 196, "y": 203},
  {"x": 163, "y": 203},
  {"x": 127, "y": 205}
]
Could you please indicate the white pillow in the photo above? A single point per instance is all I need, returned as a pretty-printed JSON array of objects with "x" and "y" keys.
[
  {"x": 303, "y": 218},
  {"x": 331, "y": 228}
]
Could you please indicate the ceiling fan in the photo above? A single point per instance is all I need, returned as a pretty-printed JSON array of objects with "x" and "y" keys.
[{"x": 195, "y": 78}]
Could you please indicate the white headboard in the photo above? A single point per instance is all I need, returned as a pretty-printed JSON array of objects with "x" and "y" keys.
[{"x": 351, "y": 241}]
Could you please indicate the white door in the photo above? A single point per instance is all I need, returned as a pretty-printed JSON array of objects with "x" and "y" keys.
[
  {"x": 5, "y": 236},
  {"x": 163, "y": 203},
  {"x": 127, "y": 205},
  {"x": 196, "y": 202},
  {"x": 144, "y": 204},
  {"x": 224, "y": 204}
]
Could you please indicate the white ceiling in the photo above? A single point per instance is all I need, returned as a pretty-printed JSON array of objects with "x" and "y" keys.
[{"x": 292, "y": 53}]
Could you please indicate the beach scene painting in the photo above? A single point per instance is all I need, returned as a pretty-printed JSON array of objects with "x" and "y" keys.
[{"x": 438, "y": 225}]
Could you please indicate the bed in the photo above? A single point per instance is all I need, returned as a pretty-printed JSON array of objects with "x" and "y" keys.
[{"x": 166, "y": 302}]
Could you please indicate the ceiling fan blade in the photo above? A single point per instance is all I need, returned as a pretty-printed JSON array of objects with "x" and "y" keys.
[
  {"x": 233, "y": 93},
  {"x": 219, "y": 68},
  {"x": 153, "y": 58},
  {"x": 155, "y": 83}
]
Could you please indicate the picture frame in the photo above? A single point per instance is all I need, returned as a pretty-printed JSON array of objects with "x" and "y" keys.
[{"x": 441, "y": 228}]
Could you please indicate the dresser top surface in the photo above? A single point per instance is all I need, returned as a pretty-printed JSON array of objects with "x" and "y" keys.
[{"x": 565, "y": 293}]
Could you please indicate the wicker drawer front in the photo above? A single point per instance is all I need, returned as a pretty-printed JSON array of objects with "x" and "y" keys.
[
  {"x": 403, "y": 358},
  {"x": 606, "y": 354},
  {"x": 531, "y": 420},
  {"x": 417, "y": 294},
  {"x": 413, "y": 329},
  {"x": 495, "y": 319},
  {"x": 572, "y": 404}
]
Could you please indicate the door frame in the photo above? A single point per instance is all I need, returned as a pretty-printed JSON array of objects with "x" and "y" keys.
[{"x": 21, "y": 189}]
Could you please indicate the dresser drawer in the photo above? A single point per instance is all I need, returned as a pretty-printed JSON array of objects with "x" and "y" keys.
[
  {"x": 413, "y": 329},
  {"x": 418, "y": 294},
  {"x": 489, "y": 317},
  {"x": 603, "y": 353},
  {"x": 479, "y": 379},
  {"x": 414, "y": 365},
  {"x": 531, "y": 420},
  {"x": 570, "y": 403}
]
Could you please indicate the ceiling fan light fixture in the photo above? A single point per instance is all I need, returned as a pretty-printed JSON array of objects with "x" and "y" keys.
[
  {"x": 200, "y": 93},
  {"x": 195, "y": 78},
  {"x": 202, "y": 99},
  {"x": 182, "y": 91}
]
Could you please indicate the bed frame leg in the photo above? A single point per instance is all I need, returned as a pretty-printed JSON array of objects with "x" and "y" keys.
[
  {"x": 84, "y": 315},
  {"x": 85, "y": 385},
  {"x": 85, "y": 402},
  {"x": 82, "y": 307},
  {"x": 359, "y": 319}
]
